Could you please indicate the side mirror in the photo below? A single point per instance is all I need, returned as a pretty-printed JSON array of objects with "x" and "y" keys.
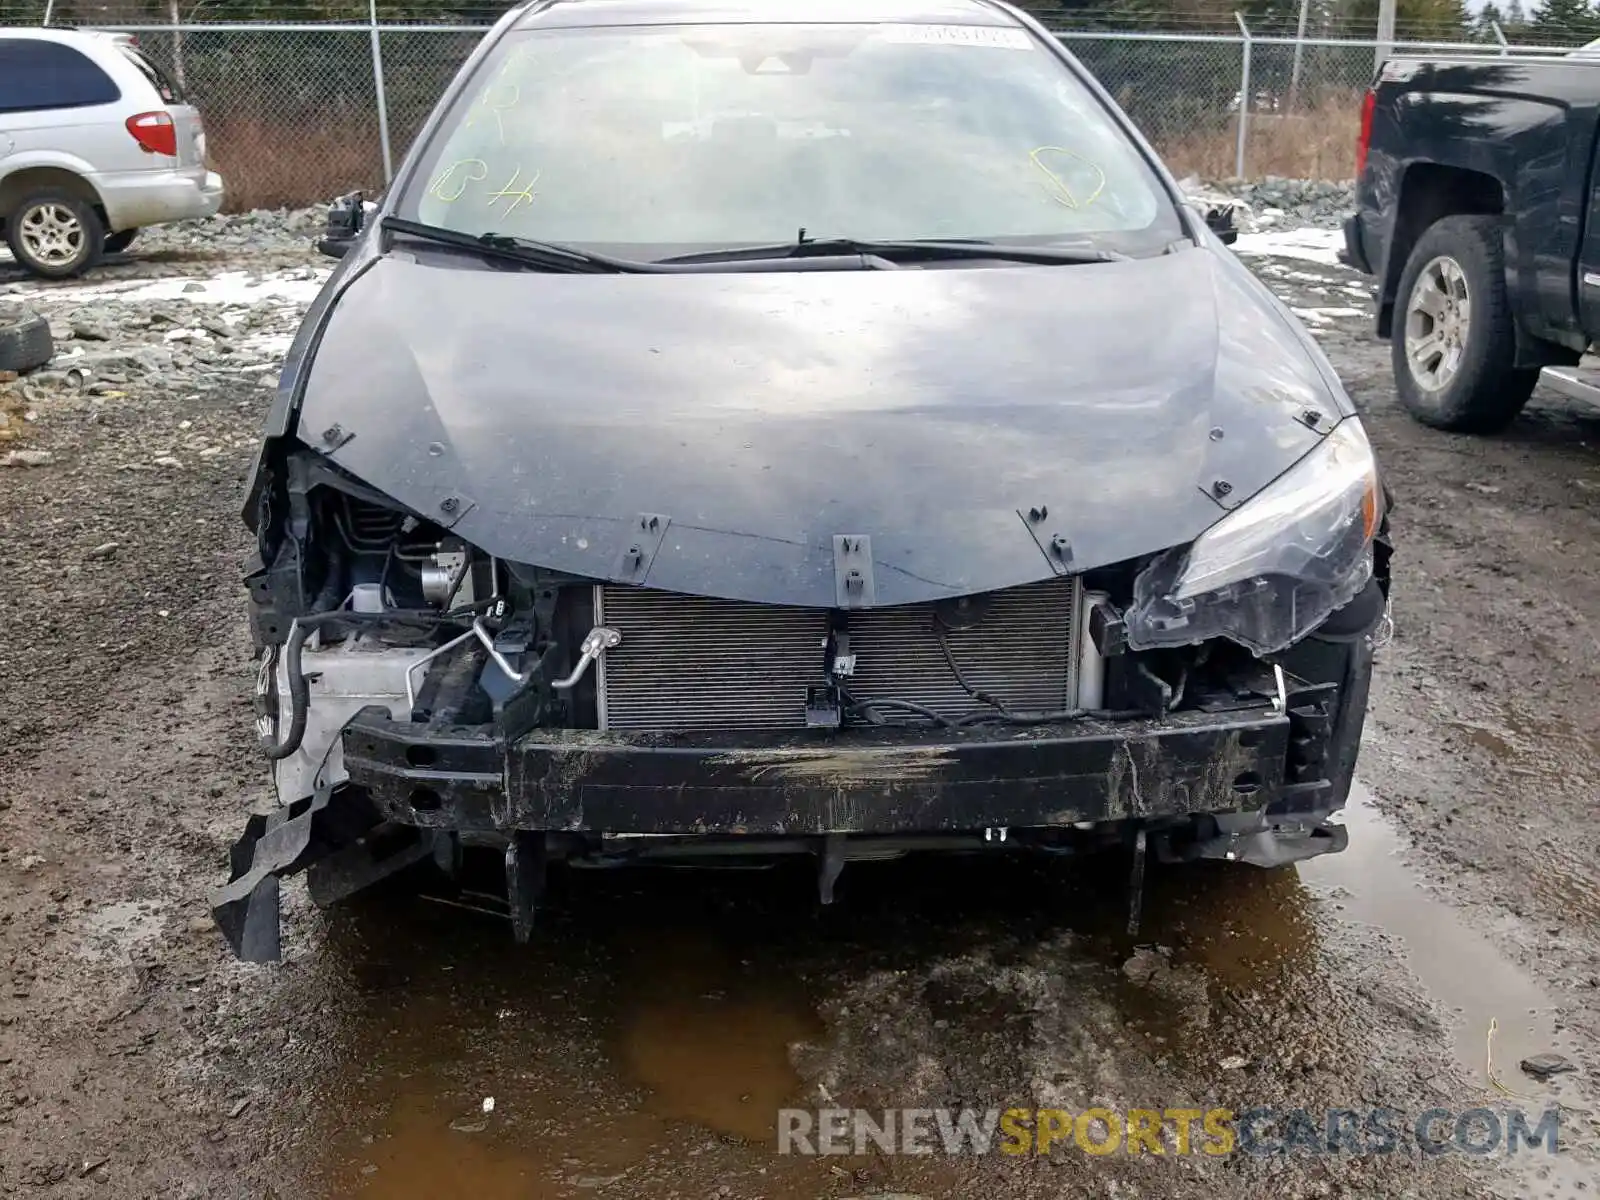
[
  {"x": 1220, "y": 222},
  {"x": 346, "y": 216}
]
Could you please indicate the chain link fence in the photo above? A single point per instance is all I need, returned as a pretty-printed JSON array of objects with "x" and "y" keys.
[
  {"x": 298, "y": 113},
  {"x": 1220, "y": 105}
]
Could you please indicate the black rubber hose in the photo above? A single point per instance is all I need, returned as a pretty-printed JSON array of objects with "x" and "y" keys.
[
  {"x": 300, "y": 689},
  {"x": 299, "y": 695},
  {"x": 870, "y": 707},
  {"x": 1052, "y": 718}
]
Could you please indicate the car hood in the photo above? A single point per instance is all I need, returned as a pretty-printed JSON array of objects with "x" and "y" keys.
[{"x": 717, "y": 433}]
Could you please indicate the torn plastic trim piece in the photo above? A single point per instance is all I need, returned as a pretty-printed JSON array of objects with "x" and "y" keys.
[
  {"x": 246, "y": 908},
  {"x": 346, "y": 847},
  {"x": 1259, "y": 840}
]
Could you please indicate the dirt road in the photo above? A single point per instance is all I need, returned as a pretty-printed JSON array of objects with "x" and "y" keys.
[{"x": 643, "y": 1045}]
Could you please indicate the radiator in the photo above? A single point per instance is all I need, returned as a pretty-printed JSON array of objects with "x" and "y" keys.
[{"x": 692, "y": 663}]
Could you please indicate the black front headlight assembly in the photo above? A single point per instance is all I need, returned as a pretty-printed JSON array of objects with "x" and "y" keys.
[{"x": 1272, "y": 570}]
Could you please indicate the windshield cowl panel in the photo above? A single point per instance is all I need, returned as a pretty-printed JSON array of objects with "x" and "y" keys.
[{"x": 660, "y": 141}]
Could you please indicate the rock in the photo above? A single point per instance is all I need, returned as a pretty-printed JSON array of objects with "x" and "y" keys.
[
  {"x": 1142, "y": 965},
  {"x": 104, "y": 550},
  {"x": 27, "y": 458},
  {"x": 90, "y": 331},
  {"x": 1543, "y": 1066},
  {"x": 1234, "y": 1062}
]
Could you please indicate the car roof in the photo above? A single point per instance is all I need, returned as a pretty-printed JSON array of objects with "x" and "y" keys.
[
  {"x": 589, "y": 13},
  {"x": 91, "y": 37}
]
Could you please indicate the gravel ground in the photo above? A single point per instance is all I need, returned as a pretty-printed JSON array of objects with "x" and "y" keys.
[{"x": 641, "y": 1046}]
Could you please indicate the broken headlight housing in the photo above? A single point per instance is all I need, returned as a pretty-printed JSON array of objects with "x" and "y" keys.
[{"x": 1272, "y": 570}]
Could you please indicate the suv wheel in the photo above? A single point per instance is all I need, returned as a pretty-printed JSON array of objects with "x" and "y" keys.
[
  {"x": 55, "y": 234},
  {"x": 1455, "y": 340}
]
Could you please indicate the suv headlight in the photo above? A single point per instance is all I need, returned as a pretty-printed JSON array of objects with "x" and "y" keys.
[{"x": 1272, "y": 570}]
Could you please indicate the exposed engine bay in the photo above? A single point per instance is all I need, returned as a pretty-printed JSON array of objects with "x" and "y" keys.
[{"x": 401, "y": 668}]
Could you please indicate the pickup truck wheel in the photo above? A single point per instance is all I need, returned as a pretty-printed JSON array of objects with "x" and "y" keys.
[
  {"x": 1455, "y": 339},
  {"x": 54, "y": 233}
]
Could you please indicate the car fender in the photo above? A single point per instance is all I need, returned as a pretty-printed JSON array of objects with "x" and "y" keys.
[{"x": 27, "y": 160}]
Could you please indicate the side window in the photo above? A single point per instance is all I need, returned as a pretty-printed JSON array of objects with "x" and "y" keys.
[
  {"x": 159, "y": 79},
  {"x": 36, "y": 74}
]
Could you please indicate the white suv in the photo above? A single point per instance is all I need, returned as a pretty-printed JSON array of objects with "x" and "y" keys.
[{"x": 95, "y": 142}]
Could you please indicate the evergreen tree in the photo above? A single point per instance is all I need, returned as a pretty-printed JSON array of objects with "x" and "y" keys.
[
  {"x": 1565, "y": 22},
  {"x": 1420, "y": 20},
  {"x": 1484, "y": 26}
]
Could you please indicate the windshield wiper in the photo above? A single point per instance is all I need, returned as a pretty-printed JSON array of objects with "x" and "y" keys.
[
  {"x": 548, "y": 256},
  {"x": 930, "y": 250}
]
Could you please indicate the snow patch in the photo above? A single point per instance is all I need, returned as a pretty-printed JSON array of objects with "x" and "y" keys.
[
  {"x": 1321, "y": 316},
  {"x": 1312, "y": 245},
  {"x": 229, "y": 287}
]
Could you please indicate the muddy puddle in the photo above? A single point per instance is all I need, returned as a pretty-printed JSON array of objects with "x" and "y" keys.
[{"x": 647, "y": 1039}]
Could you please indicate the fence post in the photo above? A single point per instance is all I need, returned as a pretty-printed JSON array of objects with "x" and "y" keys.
[
  {"x": 49, "y": 7},
  {"x": 1385, "y": 46},
  {"x": 175, "y": 17},
  {"x": 383, "y": 98},
  {"x": 1299, "y": 53},
  {"x": 1499, "y": 36},
  {"x": 1244, "y": 99}
]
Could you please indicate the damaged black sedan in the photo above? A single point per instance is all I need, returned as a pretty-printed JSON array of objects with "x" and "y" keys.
[{"x": 742, "y": 431}]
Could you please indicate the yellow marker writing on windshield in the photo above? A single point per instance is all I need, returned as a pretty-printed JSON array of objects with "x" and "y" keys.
[
  {"x": 513, "y": 59},
  {"x": 526, "y": 195},
  {"x": 1058, "y": 188},
  {"x": 460, "y": 176},
  {"x": 486, "y": 104}
]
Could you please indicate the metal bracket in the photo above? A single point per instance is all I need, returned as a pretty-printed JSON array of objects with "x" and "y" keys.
[
  {"x": 841, "y": 660},
  {"x": 1136, "y": 883},
  {"x": 852, "y": 571},
  {"x": 525, "y": 878},
  {"x": 822, "y": 708},
  {"x": 1221, "y": 493},
  {"x": 1056, "y": 547},
  {"x": 335, "y": 437},
  {"x": 641, "y": 544},
  {"x": 830, "y": 866},
  {"x": 451, "y": 508}
]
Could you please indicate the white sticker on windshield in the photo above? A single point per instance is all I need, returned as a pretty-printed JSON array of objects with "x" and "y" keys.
[{"x": 958, "y": 35}]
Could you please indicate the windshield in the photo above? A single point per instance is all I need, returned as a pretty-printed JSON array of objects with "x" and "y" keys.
[{"x": 650, "y": 141}]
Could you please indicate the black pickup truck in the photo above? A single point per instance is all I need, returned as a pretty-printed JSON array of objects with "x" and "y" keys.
[{"x": 1479, "y": 214}]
